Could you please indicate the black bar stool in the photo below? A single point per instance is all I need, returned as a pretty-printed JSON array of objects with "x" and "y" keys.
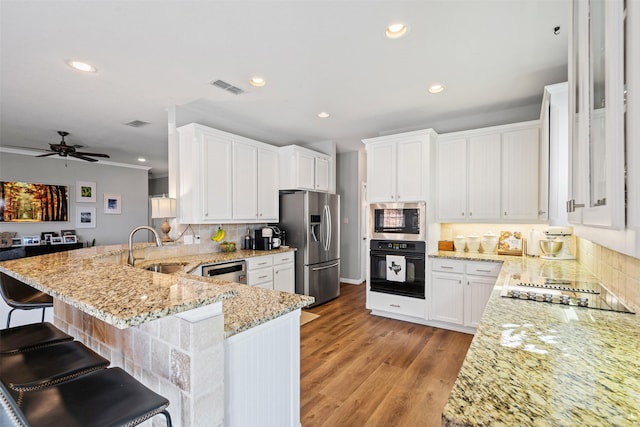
[
  {"x": 107, "y": 397},
  {"x": 20, "y": 296},
  {"x": 29, "y": 337},
  {"x": 45, "y": 366}
]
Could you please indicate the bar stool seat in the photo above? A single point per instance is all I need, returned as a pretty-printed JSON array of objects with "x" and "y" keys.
[
  {"x": 43, "y": 367},
  {"x": 108, "y": 397},
  {"x": 29, "y": 337},
  {"x": 20, "y": 296}
]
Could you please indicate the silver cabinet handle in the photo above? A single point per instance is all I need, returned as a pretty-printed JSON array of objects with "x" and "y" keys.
[
  {"x": 470, "y": 213},
  {"x": 394, "y": 305},
  {"x": 448, "y": 267},
  {"x": 262, "y": 277},
  {"x": 483, "y": 271}
]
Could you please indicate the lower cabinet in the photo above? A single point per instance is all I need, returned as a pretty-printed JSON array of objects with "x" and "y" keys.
[
  {"x": 272, "y": 272},
  {"x": 397, "y": 305},
  {"x": 459, "y": 292},
  {"x": 262, "y": 374}
]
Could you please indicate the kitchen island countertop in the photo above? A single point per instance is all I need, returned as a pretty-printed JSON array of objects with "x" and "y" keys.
[
  {"x": 539, "y": 364},
  {"x": 98, "y": 281}
]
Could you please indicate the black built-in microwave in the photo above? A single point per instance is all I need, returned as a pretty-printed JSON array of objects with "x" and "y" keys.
[{"x": 398, "y": 221}]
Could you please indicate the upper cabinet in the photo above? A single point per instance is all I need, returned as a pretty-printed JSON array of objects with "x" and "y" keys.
[
  {"x": 304, "y": 169},
  {"x": 398, "y": 167},
  {"x": 490, "y": 174},
  {"x": 225, "y": 178},
  {"x": 597, "y": 106}
]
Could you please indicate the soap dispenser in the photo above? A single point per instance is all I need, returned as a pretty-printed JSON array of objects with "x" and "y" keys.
[{"x": 248, "y": 240}]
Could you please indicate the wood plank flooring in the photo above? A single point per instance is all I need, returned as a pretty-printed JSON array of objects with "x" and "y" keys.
[{"x": 363, "y": 370}]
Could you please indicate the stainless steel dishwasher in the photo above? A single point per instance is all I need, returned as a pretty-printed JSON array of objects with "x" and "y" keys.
[{"x": 233, "y": 271}]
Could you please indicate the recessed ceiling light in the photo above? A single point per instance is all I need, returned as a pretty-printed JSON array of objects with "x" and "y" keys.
[
  {"x": 323, "y": 115},
  {"x": 257, "y": 81},
  {"x": 436, "y": 88},
  {"x": 142, "y": 159},
  {"x": 82, "y": 66},
  {"x": 395, "y": 31}
]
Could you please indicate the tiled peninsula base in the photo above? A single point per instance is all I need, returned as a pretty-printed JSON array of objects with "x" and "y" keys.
[{"x": 180, "y": 357}]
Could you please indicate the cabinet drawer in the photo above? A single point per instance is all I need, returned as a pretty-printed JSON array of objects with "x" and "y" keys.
[
  {"x": 448, "y": 265},
  {"x": 259, "y": 262},
  {"x": 491, "y": 269},
  {"x": 284, "y": 258},
  {"x": 261, "y": 275},
  {"x": 414, "y": 307}
]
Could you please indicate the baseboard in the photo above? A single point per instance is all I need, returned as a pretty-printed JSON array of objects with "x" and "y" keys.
[{"x": 352, "y": 281}]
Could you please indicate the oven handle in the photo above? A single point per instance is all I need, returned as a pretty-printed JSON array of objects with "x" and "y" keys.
[{"x": 410, "y": 255}]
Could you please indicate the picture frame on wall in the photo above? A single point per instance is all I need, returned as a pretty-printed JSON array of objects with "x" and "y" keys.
[
  {"x": 85, "y": 217},
  {"x": 85, "y": 191},
  {"x": 112, "y": 204}
]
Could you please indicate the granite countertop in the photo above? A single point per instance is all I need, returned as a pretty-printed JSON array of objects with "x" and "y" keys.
[
  {"x": 538, "y": 364},
  {"x": 98, "y": 281}
]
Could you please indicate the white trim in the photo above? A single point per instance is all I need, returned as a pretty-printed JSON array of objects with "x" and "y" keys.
[{"x": 352, "y": 281}]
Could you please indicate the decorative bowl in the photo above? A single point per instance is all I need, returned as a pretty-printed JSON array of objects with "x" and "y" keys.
[
  {"x": 228, "y": 247},
  {"x": 550, "y": 247}
]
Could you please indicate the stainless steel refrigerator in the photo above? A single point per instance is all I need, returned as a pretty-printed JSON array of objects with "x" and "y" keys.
[{"x": 311, "y": 222}]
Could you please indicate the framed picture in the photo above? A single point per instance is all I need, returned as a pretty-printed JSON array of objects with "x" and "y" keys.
[
  {"x": 112, "y": 204},
  {"x": 28, "y": 202},
  {"x": 85, "y": 217},
  {"x": 67, "y": 233},
  {"x": 31, "y": 240},
  {"x": 16, "y": 241},
  {"x": 70, "y": 239},
  {"x": 46, "y": 237},
  {"x": 56, "y": 240},
  {"x": 85, "y": 191}
]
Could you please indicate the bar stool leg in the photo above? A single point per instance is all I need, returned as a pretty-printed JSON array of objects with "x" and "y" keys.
[
  {"x": 9, "y": 317},
  {"x": 43, "y": 310}
]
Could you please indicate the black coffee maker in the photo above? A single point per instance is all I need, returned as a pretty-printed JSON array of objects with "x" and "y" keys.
[{"x": 264, "y": 239}]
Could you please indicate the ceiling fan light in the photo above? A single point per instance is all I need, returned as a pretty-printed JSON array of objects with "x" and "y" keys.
[
  {"x": 82, "y": 66},
  {"x": 395, "y": 31}
]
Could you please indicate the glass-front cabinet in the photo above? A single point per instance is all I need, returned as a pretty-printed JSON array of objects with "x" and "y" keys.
[{"x": 598, "y": 107}]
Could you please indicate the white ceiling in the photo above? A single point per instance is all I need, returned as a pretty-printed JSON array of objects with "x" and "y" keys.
[{"x": 493, "y": 56}]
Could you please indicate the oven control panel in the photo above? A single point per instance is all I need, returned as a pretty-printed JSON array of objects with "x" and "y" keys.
[{"x": 398, "y": 245}]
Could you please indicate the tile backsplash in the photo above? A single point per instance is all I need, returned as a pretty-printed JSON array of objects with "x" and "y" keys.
[{"x": 618, "y": 272}]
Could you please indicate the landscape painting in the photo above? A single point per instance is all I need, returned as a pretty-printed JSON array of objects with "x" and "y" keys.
[{"x": 26, "y": 202}]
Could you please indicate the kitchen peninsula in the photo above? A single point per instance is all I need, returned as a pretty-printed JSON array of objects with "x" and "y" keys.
[
  {"x": 172, "y": 331},
  {"x": 534, "y": 363}
]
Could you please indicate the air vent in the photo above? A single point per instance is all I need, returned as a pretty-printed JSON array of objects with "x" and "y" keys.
[
  {"x": 228, "y": 87},
  {"x": 137, "y": 123}
]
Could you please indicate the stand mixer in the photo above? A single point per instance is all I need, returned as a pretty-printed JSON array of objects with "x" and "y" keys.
[{"x": 559, "y": 234}]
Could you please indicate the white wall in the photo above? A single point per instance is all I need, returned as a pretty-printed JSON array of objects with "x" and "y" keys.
[
  {"x": 130, "y": 182},
  {"x": 349, "y": 185}
]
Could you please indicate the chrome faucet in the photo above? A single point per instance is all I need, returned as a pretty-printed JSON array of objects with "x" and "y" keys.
[{"x": 131, "y": 259}]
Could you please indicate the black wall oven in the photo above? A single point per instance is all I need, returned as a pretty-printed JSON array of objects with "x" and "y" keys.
[
  {"x": 398, "y": 221},
  {"x": 398, "y": 267}
]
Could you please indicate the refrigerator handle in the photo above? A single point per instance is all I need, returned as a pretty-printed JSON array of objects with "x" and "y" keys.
[
  {"x": 313, "y": 232},
  {"x": 329, "y": 230},
  {"x": 325, "y": 267}
]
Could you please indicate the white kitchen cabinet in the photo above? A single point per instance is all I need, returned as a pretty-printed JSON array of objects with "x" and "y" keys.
[
  {"x": 260, "y": 271},
  {"x": 205, "y": 187},
  {"x": 398, "y": 167},
  {"x": 490, "y": 174},
  {"x": 398, "y": 305},
  {"x": 225, "y": 178},
  {"x": 284, "y": 278},
  {"x": 597, "y": 106},
  {"x": 459, "y": 292},
  {"x": 520, "y": 179},
  {"x": 468, "y": 176},
  {"x": 304, "y": 169}
]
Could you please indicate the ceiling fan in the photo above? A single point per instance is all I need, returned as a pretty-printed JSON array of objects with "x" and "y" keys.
[{"x": 64, "y": 150}]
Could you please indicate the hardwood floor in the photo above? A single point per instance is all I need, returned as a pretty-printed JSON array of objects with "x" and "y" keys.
[{"x": 363, "y": 370}]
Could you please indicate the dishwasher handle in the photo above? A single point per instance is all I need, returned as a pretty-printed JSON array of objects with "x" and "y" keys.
[{"x": 220, "y": 269}]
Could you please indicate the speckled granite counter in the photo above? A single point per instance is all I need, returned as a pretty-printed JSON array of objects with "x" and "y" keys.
[
  {"x": 98, "y": 282},
  {"x": 538, "y": 364}
]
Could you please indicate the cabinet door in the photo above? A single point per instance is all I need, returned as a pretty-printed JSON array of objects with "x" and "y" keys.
[
  {"x": 484, "y": 177},
  {"x": 476, "y": 295},
  {"x": 381, "y": 165},
  {"x": 452, "y": 179},
  {"x": 410, "y": 180},
  {"x": 305, "y": 165},
  {"x": 268, "y": 186},
  {"x": 215, "y": 189},
  {"x": 284, "y": 278},
  {"x": 520, "y": 168},
  {"x": 447, "y": 298},
  {"x": 322, "y": 174},
  {"x": 245, "y": 181}
]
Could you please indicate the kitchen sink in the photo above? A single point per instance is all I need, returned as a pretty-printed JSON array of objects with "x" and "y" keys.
[{"x": 166, "y": 267}]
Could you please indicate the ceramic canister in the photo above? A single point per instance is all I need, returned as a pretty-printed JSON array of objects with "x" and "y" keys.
[
  {"x": 459, "y": 243},
  {"x": 473, "y": 243}
]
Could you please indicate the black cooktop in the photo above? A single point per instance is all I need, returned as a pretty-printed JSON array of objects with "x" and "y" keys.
[{"x": 579, "y": 293}]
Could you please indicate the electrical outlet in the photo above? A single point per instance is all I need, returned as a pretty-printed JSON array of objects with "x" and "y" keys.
[{"x": 197, "y": 239}]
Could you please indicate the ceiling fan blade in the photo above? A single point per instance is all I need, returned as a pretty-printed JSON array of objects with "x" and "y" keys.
[
  {"x": 47, "y": 155},
  {"x": 24, "y": 148},
  {"x": 79, "y": 156},
  {"x": 91, "y": 154}
]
